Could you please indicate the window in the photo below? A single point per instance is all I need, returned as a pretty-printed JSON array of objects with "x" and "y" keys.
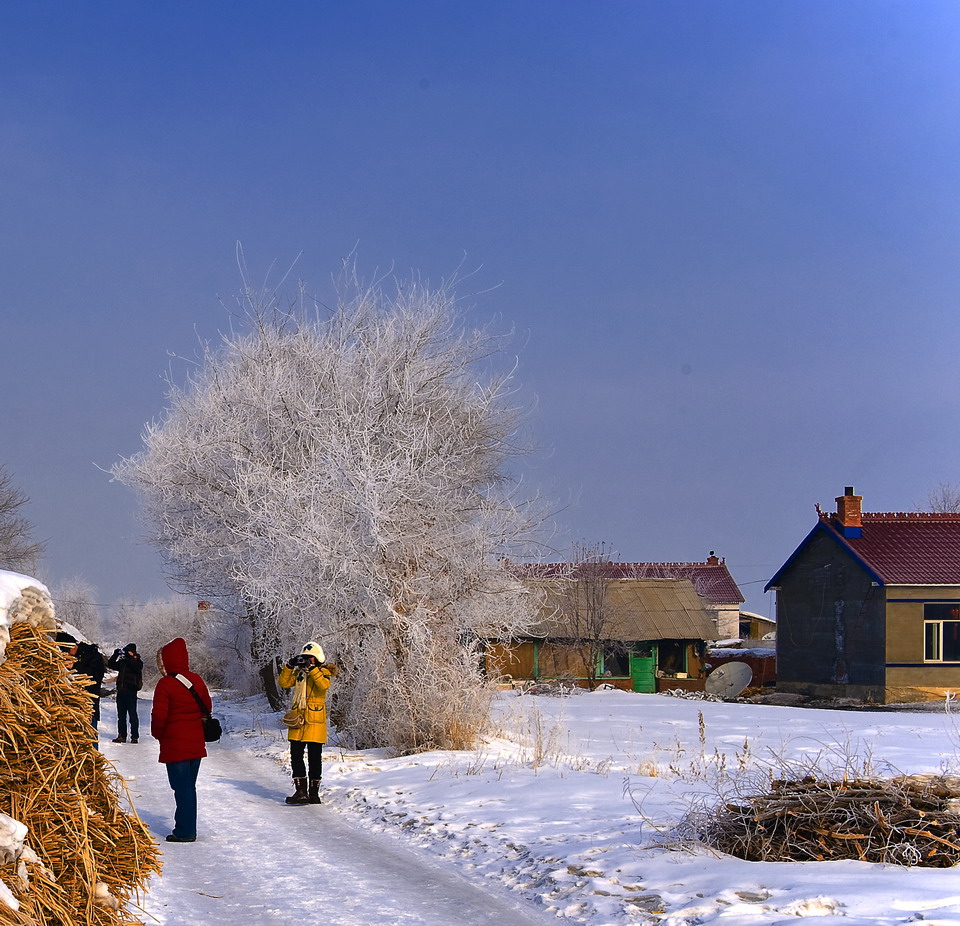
[
  {"x": 941, "y": 633},
  {"x": 616, "y": 664},
  {"x": 671, "y": 657}
]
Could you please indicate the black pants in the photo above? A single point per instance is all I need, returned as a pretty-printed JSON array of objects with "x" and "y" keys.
[
  {"x": 127, "y": 707},
  {"x": 314, "y": 751}
]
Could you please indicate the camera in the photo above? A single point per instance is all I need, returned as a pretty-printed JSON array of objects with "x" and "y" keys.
[{"x": 301, "y": 661}]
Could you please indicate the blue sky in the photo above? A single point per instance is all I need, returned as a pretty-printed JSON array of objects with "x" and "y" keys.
[{"x": 726, "y": 233}]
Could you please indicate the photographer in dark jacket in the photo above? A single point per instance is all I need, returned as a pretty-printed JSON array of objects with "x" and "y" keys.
[
  {"x": 89, "y": 661},
  {"x": 129, "y": 668}
]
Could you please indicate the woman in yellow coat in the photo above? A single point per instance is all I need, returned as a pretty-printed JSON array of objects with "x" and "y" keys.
[{"x": 309, "y": 677}]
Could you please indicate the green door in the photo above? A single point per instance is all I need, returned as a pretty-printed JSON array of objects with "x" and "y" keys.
[{"x": 643, "y": 671}]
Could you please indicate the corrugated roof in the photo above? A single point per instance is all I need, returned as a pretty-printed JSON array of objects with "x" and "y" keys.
[
  {"x": 712, "y": 581},
  {"x": 907, "y": 548},
  {"x": 639, "y": 609}
]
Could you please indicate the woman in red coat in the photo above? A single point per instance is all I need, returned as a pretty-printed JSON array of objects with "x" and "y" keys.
[{"x": 177, "y": 722}]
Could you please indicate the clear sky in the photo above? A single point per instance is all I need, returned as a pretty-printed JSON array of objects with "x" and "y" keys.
[{"x": 726, "y": 233}]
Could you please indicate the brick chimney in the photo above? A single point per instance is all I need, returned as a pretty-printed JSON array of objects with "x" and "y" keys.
[
  {"x": 713, "y": 559},
  {"x": 849, "y": 513}
]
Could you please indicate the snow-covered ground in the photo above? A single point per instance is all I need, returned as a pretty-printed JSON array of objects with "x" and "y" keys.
[{"x": 567, "y": 811}]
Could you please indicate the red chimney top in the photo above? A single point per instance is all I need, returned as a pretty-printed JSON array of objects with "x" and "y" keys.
[
  {"x": 849, "y": 512},
  {"x": 713, "y": 559}
]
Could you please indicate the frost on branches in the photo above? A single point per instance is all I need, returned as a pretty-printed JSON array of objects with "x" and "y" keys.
[{"x": 344, "y": 478}]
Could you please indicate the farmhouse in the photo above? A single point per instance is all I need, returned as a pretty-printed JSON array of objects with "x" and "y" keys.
[
  {"x": 637, "y": 634},
  {"x": 711, "y": 580},
  {"x": 868, "y": 606}
]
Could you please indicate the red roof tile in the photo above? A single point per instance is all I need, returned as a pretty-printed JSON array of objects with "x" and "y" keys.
[
  {"x": 712, "y": 581},
  {"x": 908, "y": 548}
]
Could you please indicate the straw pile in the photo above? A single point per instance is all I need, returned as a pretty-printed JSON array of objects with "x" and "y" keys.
[
  {"x": 84, "y": 858},
  {"x": 911, "y": 820}
]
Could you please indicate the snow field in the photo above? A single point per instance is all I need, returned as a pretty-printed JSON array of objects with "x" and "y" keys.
[{"x": 570, "y": 806}]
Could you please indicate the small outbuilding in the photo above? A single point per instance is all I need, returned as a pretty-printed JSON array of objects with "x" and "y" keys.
[{"x": 868, "y": 606}]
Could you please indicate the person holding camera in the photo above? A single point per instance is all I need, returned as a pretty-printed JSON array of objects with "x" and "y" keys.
[
  {"x": 309, "y": 676},
  {"x": 129, "y": 668},
  {"x": 85, "y": 659}
]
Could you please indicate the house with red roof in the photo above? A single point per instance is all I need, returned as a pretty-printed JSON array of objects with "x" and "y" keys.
[{"x": 868, "y": 606}]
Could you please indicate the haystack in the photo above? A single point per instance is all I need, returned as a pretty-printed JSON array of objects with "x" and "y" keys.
[{"x": 70, "y": 853}]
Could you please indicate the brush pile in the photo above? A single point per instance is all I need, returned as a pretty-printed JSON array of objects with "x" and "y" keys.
[
  {"x": 911, "y": 820},
  {"x": 70, "y": 854}
]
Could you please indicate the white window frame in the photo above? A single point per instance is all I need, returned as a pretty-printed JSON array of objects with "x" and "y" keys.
[{"x": 938, "y": 640}]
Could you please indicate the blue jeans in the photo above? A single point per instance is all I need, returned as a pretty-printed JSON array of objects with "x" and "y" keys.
[
  {"x": 127, "y": 707},
  {"x": 183, "y": 779}
]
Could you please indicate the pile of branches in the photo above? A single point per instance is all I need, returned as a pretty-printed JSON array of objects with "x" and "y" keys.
[
  {"x": 85, "y": 858},
  {"x": 690, "y": 695},
  {"x": 910, "y": 820},
  {"x": 554, "y": 688}
]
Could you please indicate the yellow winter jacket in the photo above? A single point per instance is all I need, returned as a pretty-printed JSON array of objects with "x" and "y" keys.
[{"x": 316, "y": 682}]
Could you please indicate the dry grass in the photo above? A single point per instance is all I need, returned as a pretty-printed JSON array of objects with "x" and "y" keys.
[{"x": 95, "y": 857}]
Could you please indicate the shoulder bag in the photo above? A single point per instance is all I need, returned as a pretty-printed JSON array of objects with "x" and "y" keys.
[{"x": 212, "y": 730}]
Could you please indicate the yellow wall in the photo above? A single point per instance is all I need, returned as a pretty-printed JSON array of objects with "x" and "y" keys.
[
  {"x": 919, "y": 681},
  {"x": 515, "y": 661}
]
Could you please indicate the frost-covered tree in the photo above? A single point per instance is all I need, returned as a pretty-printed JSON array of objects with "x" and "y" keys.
[
  {"x": 75, "y": 602},
  {"x": 19, "y": 552},
  {"x": 344, "y": 477},
  {"x": 212, "y": 638}
]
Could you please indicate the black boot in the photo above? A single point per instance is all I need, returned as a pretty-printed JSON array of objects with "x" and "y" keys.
[
  {"x": 299, "y": 796},
  {"x": 314, "y": 797}
]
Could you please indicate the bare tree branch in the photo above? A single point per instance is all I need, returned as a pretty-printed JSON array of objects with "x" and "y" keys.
[
  {"x": 945, "y": 498},
  {"x": 591, "y": 623},
  {"x": 18, "y": 550}
]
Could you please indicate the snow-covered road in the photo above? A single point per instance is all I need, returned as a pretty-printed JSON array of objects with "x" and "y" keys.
[{"x": 258, "y": 861}]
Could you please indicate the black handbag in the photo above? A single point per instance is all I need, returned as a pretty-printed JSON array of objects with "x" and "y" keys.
[{"x": 212, "y": 730}]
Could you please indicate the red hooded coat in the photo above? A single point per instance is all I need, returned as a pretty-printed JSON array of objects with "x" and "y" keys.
[{"x": 176, "y": 718}]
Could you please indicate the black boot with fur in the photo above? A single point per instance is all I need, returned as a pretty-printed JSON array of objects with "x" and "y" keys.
[{"x": 314, "y": 797}]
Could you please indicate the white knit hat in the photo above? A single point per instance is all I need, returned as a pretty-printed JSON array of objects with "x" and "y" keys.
[{"x": 313, "y": 649}]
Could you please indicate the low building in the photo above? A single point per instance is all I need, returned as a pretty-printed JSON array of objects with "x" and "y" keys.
[
  {"x": 711, "y": 580},
  {"x": 868, "y": 606},
  {"x": 651, "y": 637},
  {"x": 756, "y": 626}
]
